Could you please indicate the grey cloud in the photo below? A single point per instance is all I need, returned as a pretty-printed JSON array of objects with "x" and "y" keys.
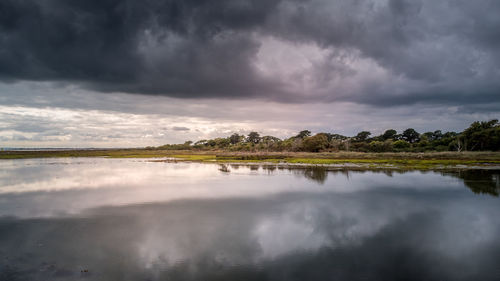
[
  {"x": 19, "y": 137},
  {"x": 180, "y": 128},
  {"x": 432, "y": 46},
  {"x": 176, "y": 48},
  {"x": 442, "y": 52}
]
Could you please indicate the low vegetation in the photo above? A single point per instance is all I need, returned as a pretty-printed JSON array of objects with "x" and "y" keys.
[{"x": 480, "y": 136}]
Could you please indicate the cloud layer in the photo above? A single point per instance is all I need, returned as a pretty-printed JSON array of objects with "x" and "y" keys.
[
  {"x": 136, "y": 73},
  {"x": 376, "y": 52}
]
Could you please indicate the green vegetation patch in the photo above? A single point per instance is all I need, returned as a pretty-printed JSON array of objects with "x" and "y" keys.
[{"x": 194, "y": 157}]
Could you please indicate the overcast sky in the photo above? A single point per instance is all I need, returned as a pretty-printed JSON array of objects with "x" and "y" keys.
[{"x": 121, "y": 73}]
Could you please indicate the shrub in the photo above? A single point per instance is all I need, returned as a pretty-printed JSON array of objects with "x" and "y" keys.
[
  {"x": 401, "y": 144},
  {"x": 381, "y": 146},
  {"x": 315, "y": 143}
]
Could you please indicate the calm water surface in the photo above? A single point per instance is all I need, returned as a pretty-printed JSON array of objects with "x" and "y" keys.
[{"x": 131, "y": 219}]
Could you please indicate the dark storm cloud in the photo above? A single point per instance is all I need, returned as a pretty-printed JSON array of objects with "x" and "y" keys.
[
  {"x": 433, "y": 52},
  {"x": 443, "y": 51},
  {"x": 176, "y": 48}
]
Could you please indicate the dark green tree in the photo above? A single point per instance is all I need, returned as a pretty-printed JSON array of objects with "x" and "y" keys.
[
  {"x": 269, "y": 139},
  {"x": 362, "y": 136},
  {"x": 410, "y": 135},
  {"x": 235, "y": 138},
  {"x": 253, "y": 137},
  {"x": 427, "y": 136},
  {"x": 336, "y": 137},
  {"x": 483, "y": 135},
  {"x": 381, "y": 146},
  {"x": 433, "y": 136},
  {"x": 401, "y": 144},
  {"x": 437, "y": 135},
  {"x": 222, "y": 142},
  {"x": 389, "y": 134},
  {"x": 315, "y": 143},
  {"x": 303, "y": 134}
]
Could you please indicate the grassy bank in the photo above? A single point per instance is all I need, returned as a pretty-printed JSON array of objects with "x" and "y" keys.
[{"x": 404, "y": 160}]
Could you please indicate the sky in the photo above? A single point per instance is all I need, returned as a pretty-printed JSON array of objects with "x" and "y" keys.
[{"x": 126, "y": 73}]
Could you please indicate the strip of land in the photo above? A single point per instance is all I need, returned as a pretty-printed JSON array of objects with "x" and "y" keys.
[{"x": 406, "y": 160}]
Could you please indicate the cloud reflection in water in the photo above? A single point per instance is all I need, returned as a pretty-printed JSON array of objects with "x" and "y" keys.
[{"x": 191, "y": 222}]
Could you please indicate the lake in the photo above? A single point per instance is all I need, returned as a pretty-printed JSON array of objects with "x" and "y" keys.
[{"x": 137, "y": 219}]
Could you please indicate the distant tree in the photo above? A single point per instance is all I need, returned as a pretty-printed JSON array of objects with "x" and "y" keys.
[
  {"x": 427, "y": 135},
  {"x": 235, "y": 138},
  {"x": 336, "y": 137},
  {"x": 269, "y": 139},
  {"x": 379, "y": 146},
  {"x": 315, "y": 143},
  {"x": 270, "y": 142},
  {"x": 389, "y": 134},
  {"x": 346, "y": 144},
  {"x": 201, "y": 142},
  {"x": 253, "y": 137},
  {"x": 410, "y": 135},
  {"x": 457, "y": 144},
  {"x": 482, "y": 136},
  {"x": 449, "y": 135},
  {"x": 424, "y": 142},
  {"x": 362, "y": 136},
  {"x": 447, "y": 142},
  {"x": 433, "y": 136},
  {"x": 303, "y": 134},
  {"x": 401, "y": 144},
  {"x": 222, "y": 142},
  {"x": 437, "y": 135}
]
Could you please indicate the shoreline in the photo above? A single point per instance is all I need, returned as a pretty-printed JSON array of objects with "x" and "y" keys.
[{"x": 326, "y": 160}]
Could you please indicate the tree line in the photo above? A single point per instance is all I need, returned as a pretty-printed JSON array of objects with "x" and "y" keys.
[{"x": 479, "y": 136}]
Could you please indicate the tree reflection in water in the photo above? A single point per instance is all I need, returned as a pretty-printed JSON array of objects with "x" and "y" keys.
[
  {"x": 477, "y": 180},
  {"x": 480, "y": 181}
]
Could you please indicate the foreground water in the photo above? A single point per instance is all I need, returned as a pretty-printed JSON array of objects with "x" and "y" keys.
[{"x": 130, "y": 219}]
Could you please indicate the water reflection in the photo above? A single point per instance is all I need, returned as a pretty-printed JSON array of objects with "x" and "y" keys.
[
  {"x": 481, "y": 181},
  {"x": 316, "y": 174},
  {"x": 164, "y": 221}
]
